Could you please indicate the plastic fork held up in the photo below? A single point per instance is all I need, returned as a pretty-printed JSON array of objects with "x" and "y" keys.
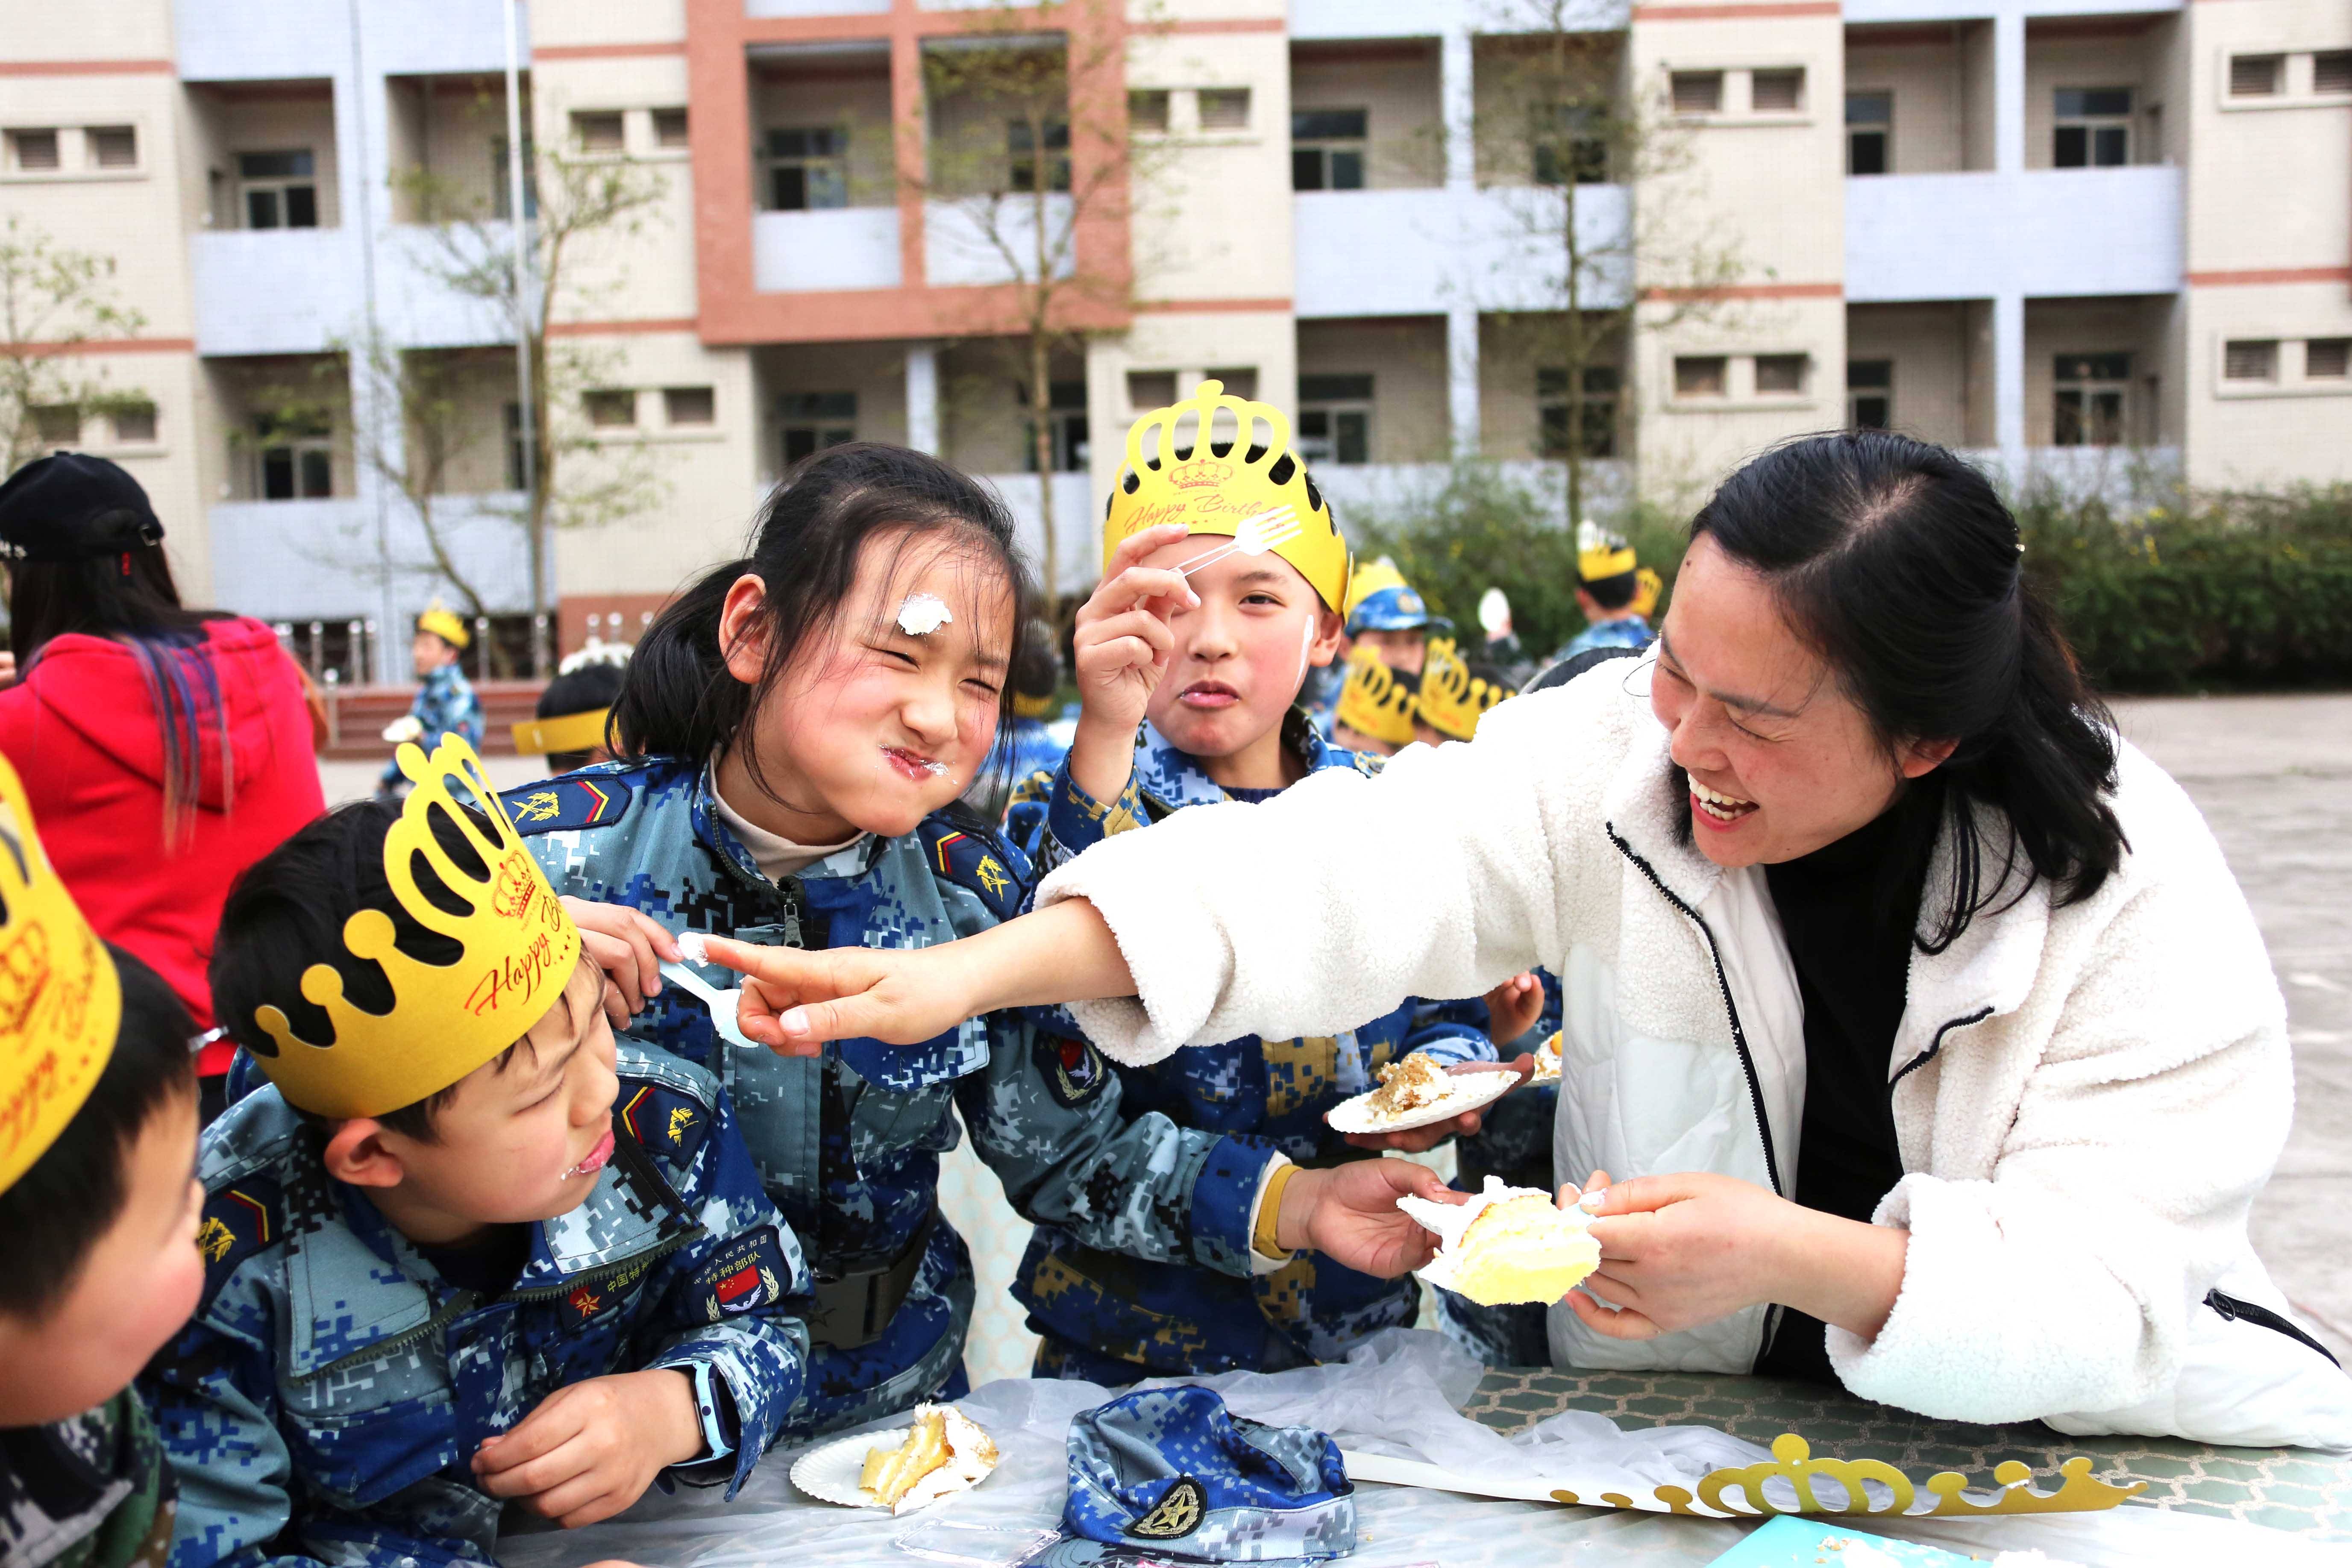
[
  {"x": 1253, "y": 536},
  {"x": 722, "y": 1003}
]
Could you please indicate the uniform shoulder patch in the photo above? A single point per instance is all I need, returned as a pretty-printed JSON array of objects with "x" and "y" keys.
[
  {"x": 663, "y": 1120},
  {"x": 743, "y": 1274},
  {"x": 1369, "y": 763},
  {"x": 561, "y": 804},
  {"x": 964, "y": 850},
  {"x": 244, "y": 1218},
  {"x": 1074, "y": 1072}
]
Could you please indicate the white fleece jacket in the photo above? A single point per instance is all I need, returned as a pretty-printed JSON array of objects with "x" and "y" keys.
[{"x": 2087, "y": 1098}]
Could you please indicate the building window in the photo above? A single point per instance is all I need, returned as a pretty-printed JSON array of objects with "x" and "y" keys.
[
  {"x": 1777, "y": 91},
  {"x": 2093, "y": 128},
  {"x": 514, "y": 445},
  {"x": 808, "y": 169},
  {"x": 33, "y": 152},
  {"x": 2328, "y": 359},
  {"x": 599, "y": 130},
  {"x": 2331, "y": 73},
  {"x": 1589, "y": 418},
  {"x": 113, "y": 146},
  {"x": 1239, "y": 381},
  {"x": 812, "y": 421},
  {"x": 612, "y": 409},
  {"x": 2090, "y": 393},
  {"x": 1224, "y": 108},
  {"x": 280, "y": 189},
  {"x": 1335, "y": 418},
  {"x": 56, "y": 424},
  {"x": 1068, "y": 419},
  {"x": 1147, "y": 109},
  {"x": 293, "y": 459},
  {"x": 1327, "y": 149},
  {"x": 1869, "y": 132},
  {"x": 134, "y": 424},
  {"x": 1020, "y": 153},
  {"x": 690, "y": 405},
  {"x": 1700, "y": 376},
  {"x": 1569, "y": 146},
  {"x": 1780, "y": 376},
  {"x": 669, "y": 127},
  {"x": 501, "y": 201},
  {"x": 1150, "y": 389},
  {"x": 1697, "y": 92},
  {"x": 1869, "y": 393},
  {"x": 2257, "y": 76},
  {"x": 2250, "y": 359}
]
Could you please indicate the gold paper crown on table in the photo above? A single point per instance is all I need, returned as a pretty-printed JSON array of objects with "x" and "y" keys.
[
  {"x": 60, "y": 998},
  {"x": 442, "y": 622},
  {"x": 1375, "y": 701},
  {"x": 1452, "y": 701},
  {"x": 1209, "y": 480},
  {"x": 1792, "y": 1463},
  {"x": 520, "y": 950}
]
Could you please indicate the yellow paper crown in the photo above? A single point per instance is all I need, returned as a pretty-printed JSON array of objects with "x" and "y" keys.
[
  {"x": 1374, "y": 701},
  {"x": 60, "y": 999},
  {"x": 520, "y": 948},
  {"x": 1452, "y": 701},
  {"x": 1210, "y": 482},
  {"x": 563, "y": 732},
  {"x": 1601, "y": 553},
  {"x": 443, "y": 623}
]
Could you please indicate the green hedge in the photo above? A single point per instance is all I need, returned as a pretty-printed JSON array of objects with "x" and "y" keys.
[{"x": 2224, "y": 593}]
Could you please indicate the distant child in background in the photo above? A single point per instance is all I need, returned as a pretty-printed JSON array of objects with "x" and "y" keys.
[
  {"x": 1453, "y": 696},
  {"x": 1386, "y": 617},
  {"x": 444, "y": 702},
  {"x": 1374, "y": 715},
  {"x": 1187, "y": 696},
  {"x": 463, "y": 1250},
  {"x": 1616, "y": 592},
  {"x": 569, "y": 728},
  {"x": 99, "y": 1217},
  {"x": 1029, "y": 745}
]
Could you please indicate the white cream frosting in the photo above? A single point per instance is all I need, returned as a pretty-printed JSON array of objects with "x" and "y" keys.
[
  {"x": 1450, "y": 1222},
  {"x": 971, "y": 1456},
  {"x": 923, "y": 613}
]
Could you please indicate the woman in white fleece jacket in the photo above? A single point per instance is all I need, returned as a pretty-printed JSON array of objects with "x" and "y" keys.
[{"x": 1901, "y": 996}]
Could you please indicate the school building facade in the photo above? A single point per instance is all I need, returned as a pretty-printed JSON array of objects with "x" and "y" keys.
[{"x": 2095, "y": 239}]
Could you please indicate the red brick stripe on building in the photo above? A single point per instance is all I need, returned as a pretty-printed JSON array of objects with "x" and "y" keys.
[
  {"x": 88, "y": 68},
  {"x": 1737, "y": 13},
  {"x": 608, "y": 51},
  {"x": 1750, "y": 292},
  {"x": 1228, "y": 25},
  {"x": 109, "y": 346},
  {"x": 615, "y": 328},
  {"x": 1206, "y": 307},
  {"x": 2272, "y": 275}
]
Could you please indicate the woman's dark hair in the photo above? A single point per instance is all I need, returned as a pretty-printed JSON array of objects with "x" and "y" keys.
[
  {"x": 679, "y": 698},
  {"x": 129, "y": 598},
  {"x": 55, "y": 1212},
  {"x": 1897, "y": 562},
  {"x": 286, "y": 912}
]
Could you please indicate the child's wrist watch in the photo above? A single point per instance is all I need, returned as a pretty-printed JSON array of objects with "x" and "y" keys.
[{"x": 717, "y": 1442}]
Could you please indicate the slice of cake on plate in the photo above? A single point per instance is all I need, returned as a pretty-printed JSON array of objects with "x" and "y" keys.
[
  {"x": 1507, "y": 1243},
  {"x": 944, "y": 1453}
]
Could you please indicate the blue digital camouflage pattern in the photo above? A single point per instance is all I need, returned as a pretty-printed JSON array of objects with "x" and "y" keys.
[
  {"x": 1631, "y": 632},
  {"x": 1030, "y": 747},
  {"x": 326, "y": 1400},
  {"x": 445, "y": 705},
  {"x": 89, "y": 1491},
  {"x": 1513, "y": 1143},
  {"x": 1173, "y": 1467},
  {"x": 849, "y": 1142},
  {"x": 1094, "y": 1312}
]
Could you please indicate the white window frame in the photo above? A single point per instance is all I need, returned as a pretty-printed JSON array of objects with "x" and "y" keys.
[
  {"x": 826, "y": 173},
  {"x": 2091, "y": 125},
  {"x": 1882, "y": 128},
  {"x": 1329, "y": 149},
  {"x": 2292, "y": 378},
  {"x": 1885, "y": 393},
  {"x": 277, "y": 188},
  {"x": 1322, "y": 450},
  {"x": 2089, "y": 388},
  {"x": 826, "y": 418},
  {"x": 300, "y": 450}
]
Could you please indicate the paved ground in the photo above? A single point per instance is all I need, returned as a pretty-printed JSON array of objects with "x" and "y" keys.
[{"x": 2274, "y": 775}]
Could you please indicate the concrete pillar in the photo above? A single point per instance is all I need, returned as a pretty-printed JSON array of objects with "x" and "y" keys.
[
  {"x": 1462, "y": 378},
  {"x": 923, "y": 397},
  {"x": 2008, "y": 382},
  {"x": 1455, "y": 88},
  {"x": 2009, "y": 91}
]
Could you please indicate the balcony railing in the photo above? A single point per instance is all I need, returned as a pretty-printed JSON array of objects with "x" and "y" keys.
[
  {"x": 1428, "y": 250},
  {"x": 2042, "y": 232},
  {"x": 847, "y": 248},
  {"x": 299, "y": 290},
  {"x": 325, "y": 558}
]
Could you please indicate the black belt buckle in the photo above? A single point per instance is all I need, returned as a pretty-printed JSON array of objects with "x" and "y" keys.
[{"x": 850, "y": 1310}]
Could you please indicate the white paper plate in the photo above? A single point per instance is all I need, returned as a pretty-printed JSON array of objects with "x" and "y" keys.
[
  {"x": 829, "y": 1473},
  {"x": 1468, "y": 1092}
]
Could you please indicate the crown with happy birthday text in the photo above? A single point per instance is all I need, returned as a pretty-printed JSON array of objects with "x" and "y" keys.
[
  {"x": 1376, "y": 701},
  {"x": 520, "y": 948},
  {"x": 60, "y": 998},
  {"x": 1184, "y": 465},
  {"x": 1452, "y": 701}
]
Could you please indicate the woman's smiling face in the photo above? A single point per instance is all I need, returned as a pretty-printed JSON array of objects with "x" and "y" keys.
[{"x": 1779, "y": 759}]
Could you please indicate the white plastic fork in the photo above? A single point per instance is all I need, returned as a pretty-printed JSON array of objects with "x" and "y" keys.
[
  {"x": 722, "y": 1003},
  {"x": 1252, "y": 536}
]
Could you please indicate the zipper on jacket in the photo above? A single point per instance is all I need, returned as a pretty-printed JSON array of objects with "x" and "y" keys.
[
  {"x": 1723, "y": 983},
  {"x": 1935, "y": 1045},
  {"x": 2234, "y": 1311}
]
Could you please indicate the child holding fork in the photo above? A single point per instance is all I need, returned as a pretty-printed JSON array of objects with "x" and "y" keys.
[{"x": 1190, "y": 699}]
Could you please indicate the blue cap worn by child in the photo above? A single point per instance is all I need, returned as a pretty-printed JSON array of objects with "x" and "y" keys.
[{"x": 1173, "y": 1469}]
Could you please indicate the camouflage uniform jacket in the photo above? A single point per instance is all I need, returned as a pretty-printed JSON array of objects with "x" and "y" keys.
[
  {"x": 445, "y": 705},
  {"x": 90, "y": 1491},
  {"x": 326, "y": 1399},
  {"x": 848, "y": 1143},
  {"x": 1270, "y": 1094},
  {"x": 1628, "y": 631}
]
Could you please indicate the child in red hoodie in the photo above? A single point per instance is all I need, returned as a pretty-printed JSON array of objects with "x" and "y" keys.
[{"x": 165, "y": 749}]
